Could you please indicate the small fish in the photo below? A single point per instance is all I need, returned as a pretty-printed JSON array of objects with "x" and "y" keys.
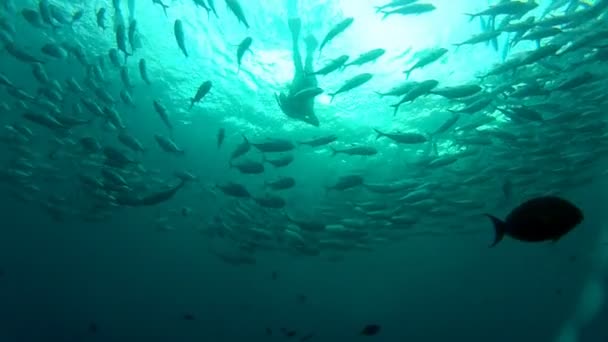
[
  {"x": 221, "y": 134},
  {"x": 244, "y": 46},
  {"x": 333, "y": 65},
  {"x": 280, "y": 162},
  {"x": 203, "y": 90},
  {"x": 168, "y": 145},
  {"x": 346, "y": 182},
  {"x": 413, "y": 9},
  {"x": 234, "y": 190},
  {"x": 395, "y": 3},
  {"x": 101, "y": 18},
  {"x": 77, "y": 15},
  {"x": 270, "y": 201},
  {"x": 162, "y": 112},
  {"x": 367, "y": 57},
  {"x": 403, "y": 138},
  {"x": 539, "y": 219},
  {"x": 321, "y": 141},
  {"x": 355, "y": 151},
  {"x": 188, "y": 317},
  {"x": 237, "y": 10},
  {"x": 178, "y": 30},
  {"x": 248, "y": 167},
  {"x": 370, "y": 330},
  {"x": 121, "y": 40},
  {"x": 241, "y": 149},
  {"x": 352, "y": 83},
  {"x": 114, "y": 58},
  {"x": 143, "y": 71},
  {"x": 307, "y": 337},
  {"x": 54, "y": 50},
  {"x": 93, "y": 328},
  {"x": 282, "y": 183},
  {"x": 456, "y": 92},
  {"x": 335, "y": 31}
]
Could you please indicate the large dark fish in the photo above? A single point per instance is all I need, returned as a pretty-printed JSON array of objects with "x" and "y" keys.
[{"x": 539, "y": 219}]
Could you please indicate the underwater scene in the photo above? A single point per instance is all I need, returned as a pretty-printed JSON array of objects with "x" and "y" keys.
[{"x": 304, "y": 170}]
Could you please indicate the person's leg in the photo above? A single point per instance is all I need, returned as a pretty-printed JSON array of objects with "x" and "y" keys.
[
  {"x": 294, "y": 26},
  {"x": 311, "y": 47}
]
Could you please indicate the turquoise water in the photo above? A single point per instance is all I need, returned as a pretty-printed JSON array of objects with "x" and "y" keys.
[{"x": 91, "y": 249}]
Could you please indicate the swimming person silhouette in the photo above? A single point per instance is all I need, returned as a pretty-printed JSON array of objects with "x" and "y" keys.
[{"x": 299, "y": 108}]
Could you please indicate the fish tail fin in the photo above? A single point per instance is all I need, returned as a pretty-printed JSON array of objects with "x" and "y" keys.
[
  {"x": 386, "y": 14},
  {"x": 378, "y": 134},
  {"x": 191, "y": 103},
  {"x": 396, "y": 106},
  {"x": 165, "y": 9},
  {"x": 333, "y": 95},
  {"x": 407, "y": 73},
  {"x": 471, "y": 16},
  {"x": 378, "y": 9},
  {"x": 499, "y": 229},
  {"x": 245, "y": 139},
  {"x": 379, "y": 93},
  {"x": 333, "y": 151}
]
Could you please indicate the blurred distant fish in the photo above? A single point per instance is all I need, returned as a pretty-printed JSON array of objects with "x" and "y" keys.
[
  {"x": 101, "y": 18},
  {"x": 154, "y": 198},
  {"x": 162, "y": 112},
  {"x": 234, "y": 190},
  {"x": 328, "y": 139},
  {"x": 143, "y": 71},
  {"x": 355, "y": 151},
  {"x": 178, "y": 30},
  {"x": 221, "y": 134},
  {"x": 168, "y": 145},
  {"x": 282, "y": 183},
  {"x": 241, "y": 149},
  {"x": 370, "y": 330},
  {"x": 121, "y": 40}
]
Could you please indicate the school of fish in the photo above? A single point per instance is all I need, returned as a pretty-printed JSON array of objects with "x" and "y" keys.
[{"x": 533, "y": 125}]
